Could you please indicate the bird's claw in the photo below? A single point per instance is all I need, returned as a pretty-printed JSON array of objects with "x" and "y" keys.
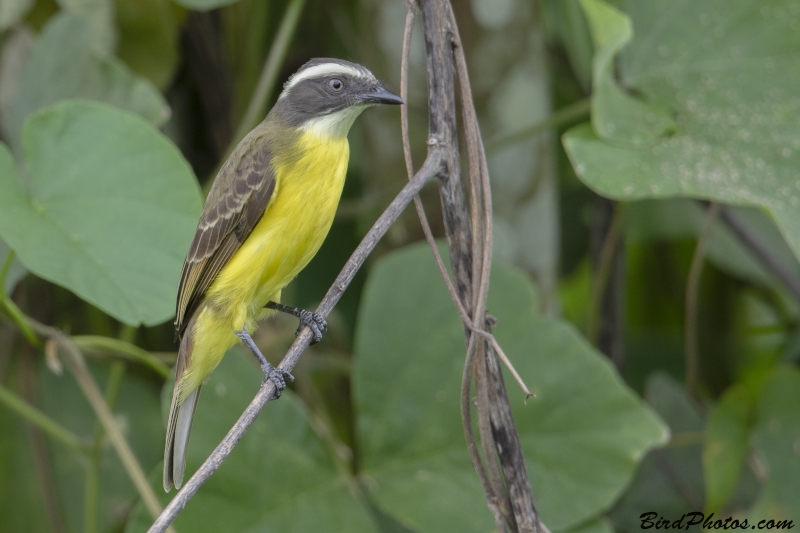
[
  {"x": 315, "y": 322},
  {"x": 278, "y": 377}
]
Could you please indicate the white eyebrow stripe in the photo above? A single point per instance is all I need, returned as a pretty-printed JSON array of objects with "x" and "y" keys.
[{"x": 322, "y": 70}]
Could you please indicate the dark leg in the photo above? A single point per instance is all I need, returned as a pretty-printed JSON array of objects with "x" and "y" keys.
[
  {"x": 275, "y": 375},
  {"x": 317, "y": 324}
]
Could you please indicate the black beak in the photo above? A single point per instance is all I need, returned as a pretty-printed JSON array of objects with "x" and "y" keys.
[{"x": 381, "y": 96}]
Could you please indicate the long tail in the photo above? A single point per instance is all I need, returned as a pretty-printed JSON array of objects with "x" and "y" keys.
[{"x": 180, "y": 417}]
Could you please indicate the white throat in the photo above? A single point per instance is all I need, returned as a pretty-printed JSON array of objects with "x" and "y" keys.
[{"x": 334, "y": 125}]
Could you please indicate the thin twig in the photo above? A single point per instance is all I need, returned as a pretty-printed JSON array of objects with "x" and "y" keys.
[
  {"x": 16, "y": 314},
  {"x": 426, "y": 227},
  {"x": 92, "y": 490},
  {"x": 481, "y": 231},
  {"x": 564, "y": 116},
  {"x": 507, "y": 362},
  {"x": 43, "y": 464},
  {"x": 692, "y": 289},
  {"x": 503, "y": 435},
  {"x": 269, "y": 74},
  {"x": 266, "y": 81},
  {"x": 469, "y": 434},
  {"x": 76, "y": 363},
  {"x": 498, "y": 496},
  {"x": 5, "y": 269},
  {"x": 127, "y": 350},
  {"x": 432, "y": 168},
  {"x": 492, "y": 486},
  {"x": 762, "y": 252},
  {"x": 602, "y": 273},
  {"x": 42, "y": 421}
]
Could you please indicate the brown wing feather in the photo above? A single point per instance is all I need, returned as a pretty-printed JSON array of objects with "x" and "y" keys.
[{"x": 237, "y": 200}]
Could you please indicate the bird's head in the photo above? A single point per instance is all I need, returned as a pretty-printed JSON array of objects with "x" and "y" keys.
[{"x": 326, "y": 95}]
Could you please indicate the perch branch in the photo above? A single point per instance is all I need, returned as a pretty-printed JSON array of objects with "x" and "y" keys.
[{"x": 432, "y": 168}]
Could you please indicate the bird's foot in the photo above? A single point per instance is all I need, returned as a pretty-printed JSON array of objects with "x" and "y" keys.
[
  {"x": 277, "y": 376},
  {"x": 315, "y": 322}
]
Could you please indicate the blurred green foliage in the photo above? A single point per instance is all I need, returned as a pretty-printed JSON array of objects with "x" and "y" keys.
[{"x": 114, "y": 114}]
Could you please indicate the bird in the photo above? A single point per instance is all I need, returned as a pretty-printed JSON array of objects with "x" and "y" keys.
[{"x": 266, "y": 215}]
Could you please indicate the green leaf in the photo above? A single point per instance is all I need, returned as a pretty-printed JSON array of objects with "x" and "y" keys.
[
  {"x": 148, "y": 38},
  {"x": 101, "y": 33},
  {"x": 681, "y": 218},
  {"x": 669, "y": 481},
  {"x": 728, "y": 70},
  {"x": 136, "y": 411},
  {"x": 279, "y": 478},
  {"x": 573, "y": 33},
  {"x": 598, "y": 525},
  {"x": 726, "y": 445},
  {"x": 22, "y": 507},
  {"x": 776, "y": 439},
  {"x": 582, "y": 435},
  {"x": 12, "y": 11},
  {"x": 66, "y": 64},
  {"x": 616, "y": 115},
  {"x": 106, "y": 210},
  {"x": 21, "y": 497},
  {"x": 14, "y": 56}
]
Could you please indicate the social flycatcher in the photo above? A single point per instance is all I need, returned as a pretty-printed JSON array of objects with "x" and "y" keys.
[{"x": 266, "y": 215}]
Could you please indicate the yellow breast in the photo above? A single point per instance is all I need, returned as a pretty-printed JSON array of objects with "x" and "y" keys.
[{"x": 291, "y": 231}]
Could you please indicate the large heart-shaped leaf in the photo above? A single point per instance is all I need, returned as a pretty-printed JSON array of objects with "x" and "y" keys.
[
  {"x": 279, "y": 478},
  {"x": 582, "y": 435},
  {"x": 668, "y": 481},
  {"x": 615, "y": 114},
  {"x": 728, "y": 70},
  {"x": 107, "y": 208},
  {"x": 725, "y": 447},
  {"x": 66, "y": 63},
  {"x": 776, "y": 438}
]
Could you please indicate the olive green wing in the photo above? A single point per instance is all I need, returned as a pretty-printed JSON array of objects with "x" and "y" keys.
[{"x": 237, "y": 200}]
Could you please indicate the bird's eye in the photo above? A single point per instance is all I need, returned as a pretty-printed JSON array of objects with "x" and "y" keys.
[{"x": 336, "y": 85}]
